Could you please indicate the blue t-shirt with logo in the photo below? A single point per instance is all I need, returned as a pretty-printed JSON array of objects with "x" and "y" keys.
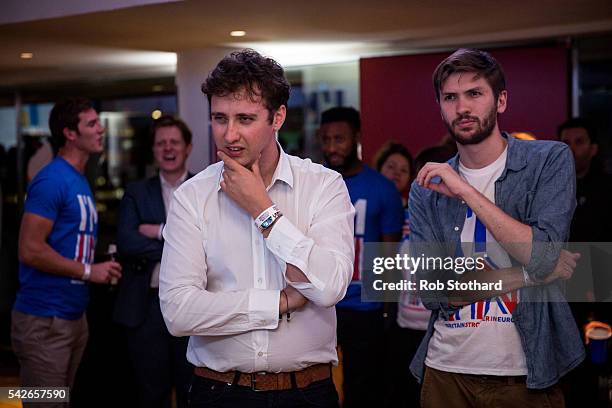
[
  {"x": 61, "y": 194},
  {"x": 378, "y": 211}
]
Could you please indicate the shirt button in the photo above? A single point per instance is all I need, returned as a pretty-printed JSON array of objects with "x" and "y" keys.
[
  {"x": 260, "y": 354},
  {"x": 259, "y": 280},
  {"x": 456, "y": 228}
]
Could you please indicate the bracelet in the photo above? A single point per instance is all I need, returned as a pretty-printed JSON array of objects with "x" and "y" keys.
[
  {"x": 267, "y": 217},
  {"x": 280, "y": 315},
  {"x": 287, "y": 304},
  {"x": 526, "y": 277},
  {"x": 86, "y": 272}
]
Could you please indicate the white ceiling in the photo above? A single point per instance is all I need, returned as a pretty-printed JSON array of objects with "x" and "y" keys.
[{"x": 81, "y": 40}]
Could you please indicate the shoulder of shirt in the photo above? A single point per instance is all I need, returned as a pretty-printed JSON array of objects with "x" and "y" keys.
[
  {"x": 54, "y": 170},
  {"x": 207, "y": 179},
  {"x": 378, "y": 179},
  {"x": 538, "y": 148},
  {"x": 308, "y": 167}
]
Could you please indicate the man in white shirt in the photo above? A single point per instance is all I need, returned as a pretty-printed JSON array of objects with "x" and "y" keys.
[
  {"x": 158, "y": 359},
  {"x": 258, "y": 250}
]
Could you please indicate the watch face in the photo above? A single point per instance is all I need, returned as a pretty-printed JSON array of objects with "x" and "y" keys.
[{"x": 266, "y": 223}]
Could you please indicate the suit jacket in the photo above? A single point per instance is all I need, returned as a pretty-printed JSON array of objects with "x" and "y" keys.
[{"x": 142, "y": 203}]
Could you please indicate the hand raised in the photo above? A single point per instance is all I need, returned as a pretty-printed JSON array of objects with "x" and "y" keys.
[
  {"x": 246, "y": 187},
  {"x": 451, "y": 184}
]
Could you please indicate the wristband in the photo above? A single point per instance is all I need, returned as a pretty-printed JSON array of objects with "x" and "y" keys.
[
  {"x": 526, "y": 277},
  {"x": 267, "y": 218},
  {"x": 282, "y": 292},
  {"x": 86, "y": 272},
  {"x": 287, "y": 303}
]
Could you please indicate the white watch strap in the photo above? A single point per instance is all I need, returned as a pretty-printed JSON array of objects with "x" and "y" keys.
[
  {"x": 86, "y": 272},
  {"x": 267, "y": 217}
]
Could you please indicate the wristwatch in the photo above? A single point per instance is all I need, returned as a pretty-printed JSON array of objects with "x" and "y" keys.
[{"x": 267, "y": 218}]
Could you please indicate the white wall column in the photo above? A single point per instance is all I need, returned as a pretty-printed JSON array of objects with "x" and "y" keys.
[{"x": 192, "y": 68}]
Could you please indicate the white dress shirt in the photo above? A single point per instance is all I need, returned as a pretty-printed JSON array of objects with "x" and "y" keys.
[
  {"x": 220, "y": 278},
  {"x": 167, "y": 189}
]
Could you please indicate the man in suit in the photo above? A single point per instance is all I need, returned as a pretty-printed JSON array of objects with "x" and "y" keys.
[{"x": 158, "y": 358}]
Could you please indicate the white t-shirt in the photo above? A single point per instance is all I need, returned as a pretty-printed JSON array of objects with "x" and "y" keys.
[{"x": 481, "y": 338}]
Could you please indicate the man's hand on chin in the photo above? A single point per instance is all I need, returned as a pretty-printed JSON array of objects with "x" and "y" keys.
[{"x": 246, "y": 187}]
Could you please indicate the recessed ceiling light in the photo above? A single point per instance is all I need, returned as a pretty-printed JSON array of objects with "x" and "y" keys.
[
  {"x": 156, "y": 114},
  {"x": 157, "y": 88},
  {"x": 238, "y": 33},
  {"x": 26, "y": 55}
]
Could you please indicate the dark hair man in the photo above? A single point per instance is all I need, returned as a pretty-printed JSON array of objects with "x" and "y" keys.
[
  {"x": 509, "y": 202},
  {"x": 56, "y": 253},
  {"x": 158, "y": 358},
  {"x": 592, "y": 221},
  {"x": 378, "y": 218},
  {"x": 258, "y": 250}
]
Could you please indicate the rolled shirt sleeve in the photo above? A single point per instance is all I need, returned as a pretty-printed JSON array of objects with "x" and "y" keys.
[{"x": 553, "y": 202}]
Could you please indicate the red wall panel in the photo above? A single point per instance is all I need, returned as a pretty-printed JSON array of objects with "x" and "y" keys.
[{"x": 398, "y": 100}]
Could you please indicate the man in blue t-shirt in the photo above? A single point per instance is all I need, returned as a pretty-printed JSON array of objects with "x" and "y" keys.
[
  {"x": 56, "y": 251},
  {"x": 378, "y": 218}
]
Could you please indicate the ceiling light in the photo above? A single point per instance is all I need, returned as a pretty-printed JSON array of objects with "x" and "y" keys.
[
  {"x": 26, "y": 55},
  {"x": 156, "y": 114},
  {"x": 157, "y": 88},
  {"x": 238, "y": 33},
  {"x": 292, "y": 54}
]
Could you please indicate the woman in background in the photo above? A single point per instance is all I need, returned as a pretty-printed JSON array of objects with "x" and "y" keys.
[{"x": 406, "y": 332}]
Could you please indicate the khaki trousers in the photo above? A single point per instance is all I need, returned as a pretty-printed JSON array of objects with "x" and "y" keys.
[
  {"x": 49, "y": 350},
  {"x": 443, "y": 389}
]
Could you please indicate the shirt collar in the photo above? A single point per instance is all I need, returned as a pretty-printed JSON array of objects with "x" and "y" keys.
[
  {"x": 166, "y": 183},
  {"x": 516, "y": 160},
  {"x": 283, "y": 168},
  {"x": 282, "y": 172}
]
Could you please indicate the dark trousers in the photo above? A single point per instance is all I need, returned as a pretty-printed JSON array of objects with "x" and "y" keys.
[
  {"x": 361, "y": 337},
  {"x": 159, "y": 361},
  {"x": 206, "y": 393},
  {"x": 402, "y": 388}
]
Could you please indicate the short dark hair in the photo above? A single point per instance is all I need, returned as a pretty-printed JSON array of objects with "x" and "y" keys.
[
  {"x": 470, "y": 60},
  {"x": 65, "y": 114},
  {"x": 169, "y": 121},
  {"x": 342, "y": 114},
  {"x": 578, "y": 123},
  {"x": 259, "y": 76},
  {"x": 389, "y": 149}
]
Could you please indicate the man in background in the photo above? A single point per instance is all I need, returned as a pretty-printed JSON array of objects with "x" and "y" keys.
[
  {"x": 592, "y": 220},
  {"x": 159, "y": 359},
  {"x": 56, "y": 253},
  {"x": 378, "y": 218}
]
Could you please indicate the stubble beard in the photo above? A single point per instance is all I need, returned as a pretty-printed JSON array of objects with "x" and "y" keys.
[
  {"x": 348, "y": 162},
  {"x": 483, "y": 130}
]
